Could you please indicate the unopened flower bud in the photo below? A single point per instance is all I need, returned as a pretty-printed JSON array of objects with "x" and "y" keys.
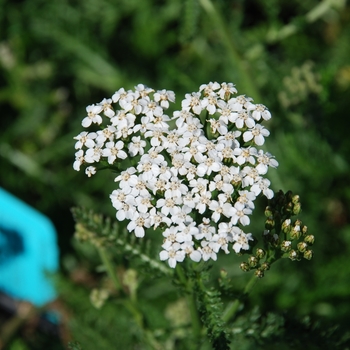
[
  {"x": 259, "y": 273},
  {"x": 286, "y": 246},
  {"x": 288, "y": 208},
  {"x": 296, "y": 233},
  {"x": 268, "y": 211},
  {"x": 286, "y": 226},
  {"x": 302, "y": 246},
  {"x": 293, "y": 255},
  {"x": 244, "y": 266},
  {"x": 223, "y": 274},
  {"x": 269, "y": 223},
  {"x": 295, "y": 199},
  {"x": 296, "y": 208},
  {"x": 310, "y": 239},
  {"x": 304, "y": 229},
  {"x": 265, "y": 266},
  {"x": 253, "y": 261},
  {"x": 308, "y": 254},
  {"x": 260, "y": 253}
]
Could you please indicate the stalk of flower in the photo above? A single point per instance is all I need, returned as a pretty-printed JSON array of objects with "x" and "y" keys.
[{"x": 194, "y": 175}]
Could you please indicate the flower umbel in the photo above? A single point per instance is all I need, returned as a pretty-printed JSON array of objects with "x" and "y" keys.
[{"x": 194, "y": 179}]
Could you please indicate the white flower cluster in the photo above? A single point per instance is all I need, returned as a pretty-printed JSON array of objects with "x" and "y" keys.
[{"x": 195, "y": 175}]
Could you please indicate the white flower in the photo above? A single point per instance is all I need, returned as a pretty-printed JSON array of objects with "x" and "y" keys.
[
  {"x": 136, "y": 146},
  {"x": 220, "y": 208},
  {"x": 156, "y": 218},
  {"x": 244, "y": 119},
  {"x": 79, "y": 160},
  {"x": 147, "y": 169},
  {"x": 219, "y": 184},
  {"x": 210, "y": 103},
  {"x": 194, "y": 255},
  {"x": 143, "y": 204},
  {"x": 108, "y": 133},
  {"x": 173, "y": 254},
  {"x": 241, "y": 214},
  {"x": 261, "y": 111},
  {"x": 226, "y": 90},
  {"x": 164, "y": 96},
  {"x": 107, "y": 107},
  {"x": 92, "y": 116},
  {"x": 241, "y": 102},
  {"x": 242, "y": 241},
  {"x": 191, "y": 128},
  {"x": 90, "y": 170},
  {"x": 93, "y": 155},
  {"x": 209, "y": 89},
  {"x": 229, "y": 139},
  {"x": 195, "y": 151},
  {"x": 265, "y": 160},
  {"x": 114, "y": 151},
  {"x": 251, "y": 176},
  {"x": 226, "y": 112},
  {"x": 207, "y": 250},
  {"x": 169, "y": 205},
  {"x": 245, "y": 155},
  {"x": 156, "y": 135},
  {"x": 138, "y": 224},
  {"x": 192, "y": 102},
  {"x": 218, "y": 126},
  {"x": 175, "y": 188},
  {"x": 120, "y": 94},
  {"x": 208, "y": 166},
  {"x": 203, "y": 201},
  {"x": 206, "y": 230},
  {"x": 151, "y": 109},
  {"x": 247, "y": 198},
  {"x": 143, "y": 90},
  {"x": 258, "y": 133},
  {"x": 199, "y": 185},
  {"x": 123, "y": 120},
  {"x": 85, "y": 139},
  {"x": 262, "y": 186},
  {"x": 182, "y": 117}
]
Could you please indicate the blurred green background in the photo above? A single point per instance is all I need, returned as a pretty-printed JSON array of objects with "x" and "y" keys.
[{"x": 58, "y": 56}]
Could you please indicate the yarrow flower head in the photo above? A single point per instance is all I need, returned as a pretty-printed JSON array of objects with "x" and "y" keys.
[{"x": 192, "y": 176}]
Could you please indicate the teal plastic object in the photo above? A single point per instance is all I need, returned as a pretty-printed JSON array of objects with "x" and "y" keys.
[{"x": 28, "y": 252}]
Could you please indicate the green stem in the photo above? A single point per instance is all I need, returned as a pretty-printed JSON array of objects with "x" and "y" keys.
[
  {"x": 191, "y": 301},
  {"x": 128, "y": 304},
  {"x": 109, "y": 268},
  {"x": 233, "y": 306}
]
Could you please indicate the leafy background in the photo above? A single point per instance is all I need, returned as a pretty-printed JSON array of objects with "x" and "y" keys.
[{"x": 57, "y": 57}]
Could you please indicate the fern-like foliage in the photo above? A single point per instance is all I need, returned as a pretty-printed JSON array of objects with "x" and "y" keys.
[
  {"x": 102, "y": 232},
  {"x": 210, "y": 309}
]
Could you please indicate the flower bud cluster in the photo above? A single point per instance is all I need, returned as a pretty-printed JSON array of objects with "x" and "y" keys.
[
  {"x": 255, "y": 263},
  {"x": 282, "y": 232},
  {"x": 194, "y": 175}
]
